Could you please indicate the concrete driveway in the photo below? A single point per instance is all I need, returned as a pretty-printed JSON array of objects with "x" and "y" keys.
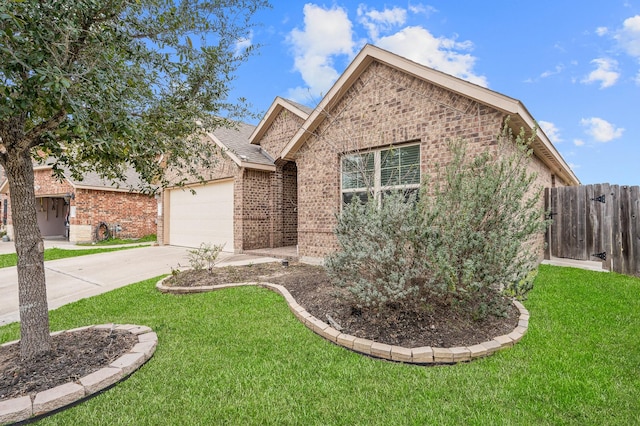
[{"x": 76, "y": 278}]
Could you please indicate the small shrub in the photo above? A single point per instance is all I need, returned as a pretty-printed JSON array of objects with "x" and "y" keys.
[
  {"x": 206, "y": 256},
  {"x": 519, "y": 289}
]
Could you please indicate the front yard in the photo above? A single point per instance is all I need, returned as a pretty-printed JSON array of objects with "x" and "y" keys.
[{"x": 238, "y": 356}]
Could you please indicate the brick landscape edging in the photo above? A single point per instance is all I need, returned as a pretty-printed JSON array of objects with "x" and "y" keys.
[
  {"x": 419, "y": 355},
  {"x": 23, "y": 408}
]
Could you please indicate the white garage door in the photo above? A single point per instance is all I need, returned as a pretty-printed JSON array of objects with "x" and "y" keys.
[{"x": 206, "y": 217}]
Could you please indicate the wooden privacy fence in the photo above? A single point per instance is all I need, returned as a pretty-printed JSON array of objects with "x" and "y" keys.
[{"x": 595, "y": 222}]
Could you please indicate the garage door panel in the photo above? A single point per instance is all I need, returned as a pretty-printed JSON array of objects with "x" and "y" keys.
[{"x": 205, "y": 217}]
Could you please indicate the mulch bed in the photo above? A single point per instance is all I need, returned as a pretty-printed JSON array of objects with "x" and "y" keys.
[
  {"x": 73, "y": 356},
  {"x": 438, "y": 326}
]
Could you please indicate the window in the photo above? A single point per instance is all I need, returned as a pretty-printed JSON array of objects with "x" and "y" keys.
[{"x": 375, "y": 173}]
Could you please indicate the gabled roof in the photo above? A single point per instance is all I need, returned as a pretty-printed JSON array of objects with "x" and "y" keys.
[
  {"x": 278, "y": 105},
  {"x": 235, "y": 143},
  {"x": 543, "y": 147}
]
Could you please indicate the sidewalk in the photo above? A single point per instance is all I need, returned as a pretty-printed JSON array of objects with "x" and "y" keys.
[{"x": 80, "y": 277}]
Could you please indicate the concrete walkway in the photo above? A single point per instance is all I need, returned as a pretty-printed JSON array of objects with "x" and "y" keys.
[{"x": 80, "y": 277}]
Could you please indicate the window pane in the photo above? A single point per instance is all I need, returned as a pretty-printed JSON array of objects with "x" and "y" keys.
[
  {"x": 390, "y": 176},
  {"x": 390, "y": 158},
  {"x": 347, "y": 197},
  {"x": 410, "y": 164},
  {"x": 349, "y": 180},
  {"x": 358, "y": 171}
]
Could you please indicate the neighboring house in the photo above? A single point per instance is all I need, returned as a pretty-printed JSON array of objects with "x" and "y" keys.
[
  {"x": 74, "y": 209},
  {"x": 282, "y": 182}
]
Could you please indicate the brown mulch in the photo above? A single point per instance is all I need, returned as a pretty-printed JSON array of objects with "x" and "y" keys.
[
  {"x": 73, "y": 356},
  {"x": 439, "y": 325}
]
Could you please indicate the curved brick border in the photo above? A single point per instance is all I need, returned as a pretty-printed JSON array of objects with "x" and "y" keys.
[
  {"x": 421, "y": 355},
  {"x": 23, "y": 408}
]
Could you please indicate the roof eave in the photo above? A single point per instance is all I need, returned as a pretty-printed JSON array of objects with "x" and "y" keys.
[
  {"x": 481, "y": 94},
  {"x": 277, "y": 105},
  {"x": 546, "y": 150}
]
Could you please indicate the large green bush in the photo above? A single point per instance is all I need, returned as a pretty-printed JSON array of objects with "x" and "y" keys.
[
  {"x": 382, "y": 260},
  {"x": 470, "y": 237}
]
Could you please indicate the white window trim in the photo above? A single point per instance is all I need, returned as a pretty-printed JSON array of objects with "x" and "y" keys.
[{"x": 378, "y": 188}]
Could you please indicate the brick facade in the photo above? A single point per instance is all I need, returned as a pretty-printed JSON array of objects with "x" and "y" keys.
[
  {"x": 284, "y": 126},
  {"x": 58, "y": 201},
  {"x": 378, "y": 105},
  {"x": 135, "y": 213},
  {"x": 386, "y": 107}
]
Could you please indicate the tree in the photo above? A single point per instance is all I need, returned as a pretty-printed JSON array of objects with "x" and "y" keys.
[{"x": 104, "y": 85}]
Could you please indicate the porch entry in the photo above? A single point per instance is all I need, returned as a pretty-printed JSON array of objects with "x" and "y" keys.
[
  {"x": 595, "y": 222},
  {"x": 53, "y": 214}
]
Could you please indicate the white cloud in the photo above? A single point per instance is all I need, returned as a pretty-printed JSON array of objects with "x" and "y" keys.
[
  {"x": 606, "y": 73},
  {"x": 244, "y": 43},
  {"x": 601, "y": 31},
  {"x": 573, "y": 166},
  {"x": 420, "y": 8},
  {"x": 578, "y": 142},
  {"x": 557, "y": 70},
  {"x": 550, "y": 129},
  {"x": 601, "y": 130},
  {"x": 444, "y": 54},
  {"x": 327, "y": 33},
  {"x": 637, "y": 78},
  {"x": 629, "y": 36},
  {"x": 377, "y": 21}
]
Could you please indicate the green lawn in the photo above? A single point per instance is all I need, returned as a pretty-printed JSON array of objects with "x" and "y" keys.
[
  {"x": 238, "y": 356},
  {"x": 11, "y": 259},
  {"x": 151, "y": 238}
]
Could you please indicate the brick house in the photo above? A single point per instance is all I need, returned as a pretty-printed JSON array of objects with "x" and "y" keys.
[
  {"x": 249, "y": 200},
  {"x": 84, "y": 204},
  {"x": 282, "y": 182}
]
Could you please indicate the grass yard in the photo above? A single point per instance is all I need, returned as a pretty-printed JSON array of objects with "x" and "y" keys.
[
  {"x": 11, "y": 259},
  {"x": 238, "y": 356},
  {"x": 151, "y": 238}
]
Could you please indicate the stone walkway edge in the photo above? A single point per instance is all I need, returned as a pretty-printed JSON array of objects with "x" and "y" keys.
[
  {"x": 24, "y": 408},
  {"x": 420, "y": 355}
]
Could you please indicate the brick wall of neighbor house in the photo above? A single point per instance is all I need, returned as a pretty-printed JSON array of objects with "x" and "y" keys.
[
  {"x": 135, "y": 213},
  {"x": 383, "y": 107},
  {"x": 45, "y": 184},
  {"x": 255, "y": 210},
  {"x": 284, "y": 126}
]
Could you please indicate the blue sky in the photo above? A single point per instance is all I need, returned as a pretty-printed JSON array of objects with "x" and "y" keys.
[{"x": 574, "y": 64}]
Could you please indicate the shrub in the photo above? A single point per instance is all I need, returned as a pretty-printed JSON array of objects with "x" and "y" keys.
[
  {"x": 381, "y": 261},
  {"x": 485, "y": 213},
  {"x": 468, "y": 238},
  {"x": 206, "y": 256}
]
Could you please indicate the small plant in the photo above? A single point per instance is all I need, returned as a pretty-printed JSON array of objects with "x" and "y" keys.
[
  {"x": 519, "y": 289},
  {"x": 206, "y": 256}
]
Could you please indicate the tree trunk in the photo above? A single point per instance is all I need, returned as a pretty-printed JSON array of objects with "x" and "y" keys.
[{"x": 34, "y": 314}]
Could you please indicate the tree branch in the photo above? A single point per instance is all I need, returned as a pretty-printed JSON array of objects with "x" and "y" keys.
[{"x": 31, "y": 138}]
